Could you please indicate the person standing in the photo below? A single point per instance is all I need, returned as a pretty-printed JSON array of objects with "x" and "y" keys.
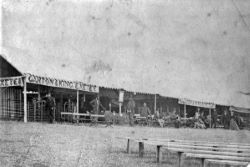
[
  {"x": 233, "y": 124},
  {"x": 145, "y": 111},
  {"x": 50, "y": 106},
  {"x": 131, "y": 110},
  {"x": 96, "y": 105},
  {"x": 214, "y": 118},
  {"x": 226, "y": 119}
]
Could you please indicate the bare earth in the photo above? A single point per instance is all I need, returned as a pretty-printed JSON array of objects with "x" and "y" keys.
[{"x": 67, "y": 145}]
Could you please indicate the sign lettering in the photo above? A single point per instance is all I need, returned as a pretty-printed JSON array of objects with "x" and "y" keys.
[
  {"x": 61, "y": 83},
  {"x": 11, "y": 81},
  {"x": 196, "y": 103}
]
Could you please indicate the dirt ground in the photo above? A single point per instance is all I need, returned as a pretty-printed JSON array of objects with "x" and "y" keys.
[{"x": 67, "y": 145}]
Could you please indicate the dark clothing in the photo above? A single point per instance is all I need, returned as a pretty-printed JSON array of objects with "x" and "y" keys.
[
  {"x": 233, "y": 125},
  {"x": 214, "y": 119},
  {"x": 226, "y": 121},
  {"x": 131, "y": 111},
  {"x": 131, "y": 106},
  {"x": 50, "y": 107},
  {"x": 96, "y": 106},
  {"x": 131, "y": 118},
  {"x": 145, "y": 111}
]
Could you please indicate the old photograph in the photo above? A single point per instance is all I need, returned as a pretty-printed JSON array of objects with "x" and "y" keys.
[{"x": 125, "y": 83}]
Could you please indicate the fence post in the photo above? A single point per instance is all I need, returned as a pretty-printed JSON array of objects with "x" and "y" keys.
[
  {"x": 128, "y": 146},
  {"x": 158, "y": 154},
  {"x": 141, "y": 149}
]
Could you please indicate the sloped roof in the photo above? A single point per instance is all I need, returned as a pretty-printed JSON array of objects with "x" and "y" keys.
[{"x": 185, "y": 49}]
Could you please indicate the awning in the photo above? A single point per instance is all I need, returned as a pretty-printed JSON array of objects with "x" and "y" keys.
[
  {"x": 240, "y": 110},
  {"x": 196, "y": 103}
]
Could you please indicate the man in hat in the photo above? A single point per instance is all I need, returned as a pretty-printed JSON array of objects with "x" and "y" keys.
[
  {"x": 131, "y": 110},
  {"x": 50, "y": 106}
]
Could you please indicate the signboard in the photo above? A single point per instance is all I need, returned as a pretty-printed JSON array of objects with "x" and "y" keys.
[
  {"x": 11, "y": 81},
  {"x": 196, "y": 103},
  {"x": 121, "y": 96},
  {"x": 240, "y": 110},
  {"x": 34, "y": 79}
]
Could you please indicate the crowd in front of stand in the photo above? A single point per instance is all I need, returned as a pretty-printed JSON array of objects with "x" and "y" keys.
[{"x": 228, "y": 120}]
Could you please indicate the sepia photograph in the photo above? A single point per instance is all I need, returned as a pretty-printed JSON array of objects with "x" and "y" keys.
[{"x": 124, "y": 83}]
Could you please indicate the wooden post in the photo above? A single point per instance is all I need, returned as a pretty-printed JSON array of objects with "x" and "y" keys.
[
  {"x": 185, "y": 112},
  {"x": 39, "y": 104},
  {"x": 128, "y": 147},
  {"x": 141, "y": 149},
  {"x": 202, "y": 162},
  {"x": 77, "y": 105},
  {"x": 110, "y": 107},
  {"x": 34, "y": 103},
  {"x": 120, "y": 108},
  {"x": 179, "y": 159},
  {"x": 61, "y": 103},
  {"x": 42, "y": 108},
  {"x": 158, "y": 154},
  {"x": 155, "y": 104},
  {"x": 210, "y": 120},
  {"x": 25, "y": 100}
]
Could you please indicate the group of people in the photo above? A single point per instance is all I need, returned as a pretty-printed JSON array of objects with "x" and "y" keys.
[
  {"x": 231, "y": 120},
  {"x": 144, "y": 112},
  {"x": 201, "y": 121}
]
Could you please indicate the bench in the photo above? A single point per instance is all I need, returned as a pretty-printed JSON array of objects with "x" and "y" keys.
[
  {"x": 93, "y": 118},
  {"x": 231, "y": 154},
  {"x": 215, "y": 158},
  {"x": 226, "y": 162},
  {"x": 141, "y": 120},
  {"x": 207, "y": 152}
]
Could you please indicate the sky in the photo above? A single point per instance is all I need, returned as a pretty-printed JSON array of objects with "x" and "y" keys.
[{"x": 196, "y": 49}]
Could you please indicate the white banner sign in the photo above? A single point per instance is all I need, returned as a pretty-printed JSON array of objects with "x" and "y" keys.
[
  {"x": 11, "y": 81},
  {"x": 196, "y": 103},
  {"x": 61, "y": 83}
]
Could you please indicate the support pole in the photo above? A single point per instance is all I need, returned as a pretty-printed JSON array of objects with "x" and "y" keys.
[
  {"x": 185, "y": 112},
  {"x": 34, "y": 103},
  {"x": 110, "y": 107},
  {"x": 155, "y": 104},
  {"x": 210, "y": 120},
  {"x": 39, "y": 103},
  {"x": 25, "y": 100},
  {"x": 120, "y": 108},
  {"x": 61, "y": 103},
  {"x": 77, "y": 105}
]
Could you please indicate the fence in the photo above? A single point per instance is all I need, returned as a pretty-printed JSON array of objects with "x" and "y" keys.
[{"x": 11, "y": 105}]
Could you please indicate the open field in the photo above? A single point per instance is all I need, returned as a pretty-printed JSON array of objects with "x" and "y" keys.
[{"x": 43, "y": 145}]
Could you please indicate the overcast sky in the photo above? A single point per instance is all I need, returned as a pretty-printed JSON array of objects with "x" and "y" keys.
[{"x": 199, "y": 49}]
